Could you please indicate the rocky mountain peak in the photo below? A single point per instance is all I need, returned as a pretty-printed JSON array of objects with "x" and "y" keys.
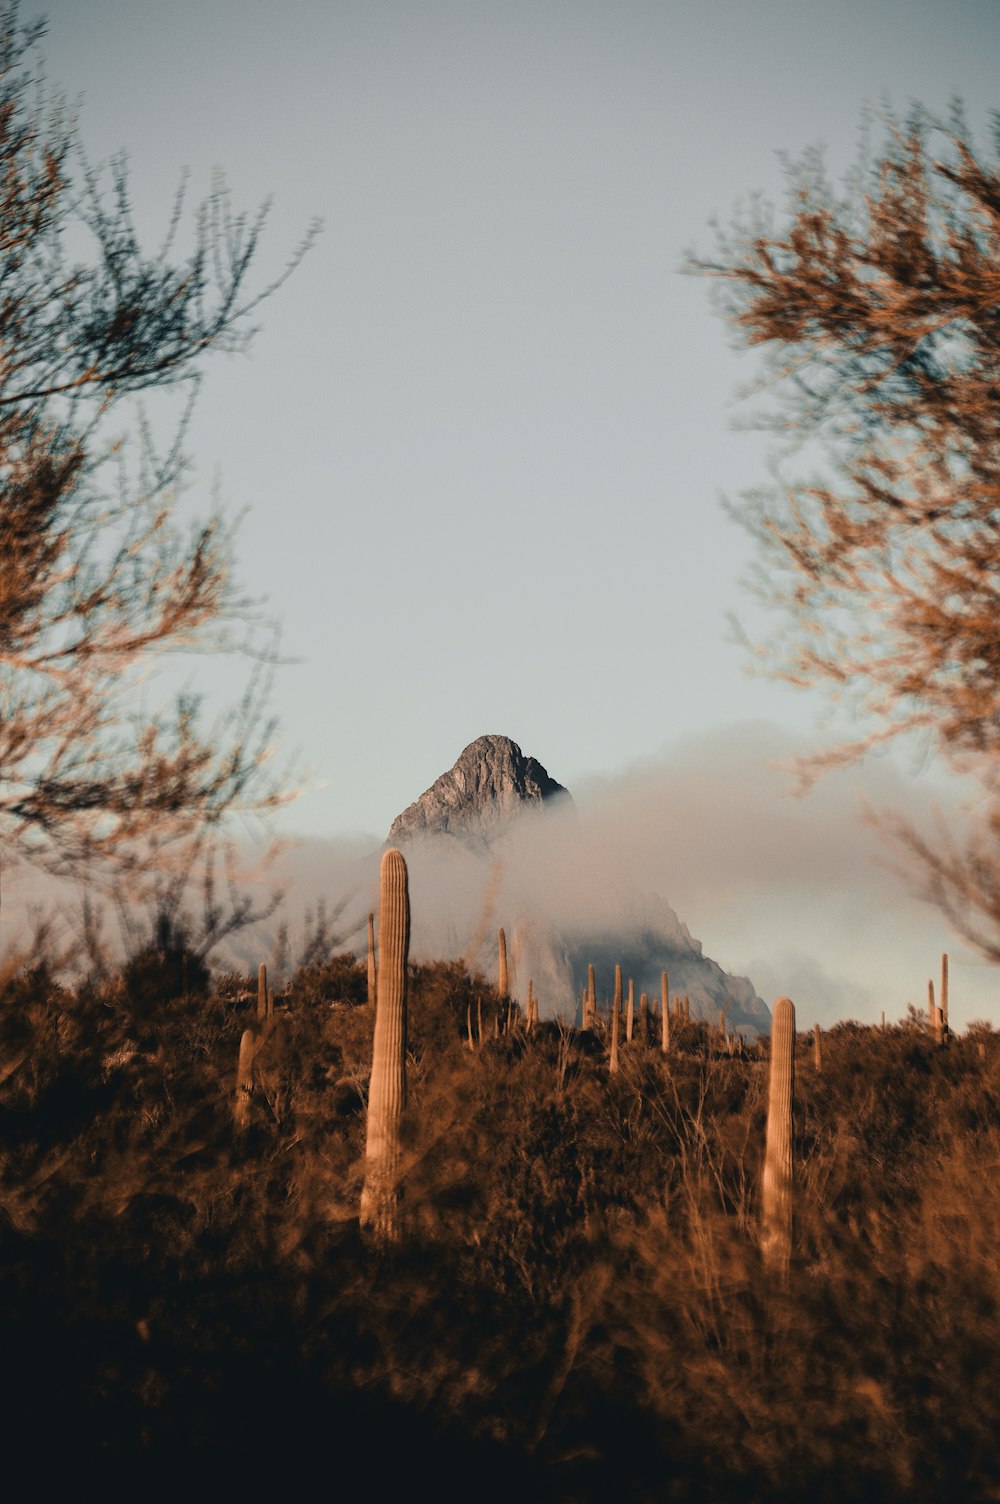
[{"x": 491, "y": 783}]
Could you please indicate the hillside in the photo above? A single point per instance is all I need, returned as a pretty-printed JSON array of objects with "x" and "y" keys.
[{"x": 576, "y": 1305}]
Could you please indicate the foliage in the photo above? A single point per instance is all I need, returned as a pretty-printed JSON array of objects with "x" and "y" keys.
[
  {"x": 97, "y": 575},
  {"x": 577, "y": 1308},
  {"x": 341, "y": 979},
  {"x": 878, "y": 309},
  {"x": 164, "y": 969}
]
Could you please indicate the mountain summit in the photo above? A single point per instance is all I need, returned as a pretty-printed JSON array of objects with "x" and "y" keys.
[
  {"x": 490, "y": 784},
  {"x": 556, "y": 928}
]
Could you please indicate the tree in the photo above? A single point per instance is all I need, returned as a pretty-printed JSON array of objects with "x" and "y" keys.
[
  {"x": 97, "y": 577},
  {"x": 878, "y": 307}
]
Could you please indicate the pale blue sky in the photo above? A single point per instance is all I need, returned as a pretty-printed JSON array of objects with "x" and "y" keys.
[
  {"x": 483, "y": 433},
  {"x": 484, "y": 430}
]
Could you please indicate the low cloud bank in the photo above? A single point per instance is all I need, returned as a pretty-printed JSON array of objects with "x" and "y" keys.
[{"x": 792, "y": 893}]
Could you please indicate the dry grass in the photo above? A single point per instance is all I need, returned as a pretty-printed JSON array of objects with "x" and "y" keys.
[{"x": 577, "y": 1309}]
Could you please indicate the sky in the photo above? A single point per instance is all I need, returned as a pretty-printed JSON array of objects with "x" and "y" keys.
[{"x": 482, "y": 436}]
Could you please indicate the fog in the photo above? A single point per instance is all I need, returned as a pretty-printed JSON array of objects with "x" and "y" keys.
[{"x": 706, "y": 840}]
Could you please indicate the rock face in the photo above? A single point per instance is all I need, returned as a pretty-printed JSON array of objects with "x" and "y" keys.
[
  {"x": 489, "y": 786},
  {"x": 472, "y": 871}
]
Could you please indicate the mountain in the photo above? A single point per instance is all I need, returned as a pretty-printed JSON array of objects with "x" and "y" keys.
[
  {"x": 478, "y": 860},
  {"x": 489, "y": 786}
]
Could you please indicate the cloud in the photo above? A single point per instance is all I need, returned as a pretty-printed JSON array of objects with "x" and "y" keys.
[{"x": 792, "y": 892}]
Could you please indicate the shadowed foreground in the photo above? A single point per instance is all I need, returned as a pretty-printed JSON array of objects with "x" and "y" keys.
[{"x": 575, "y": 1306}]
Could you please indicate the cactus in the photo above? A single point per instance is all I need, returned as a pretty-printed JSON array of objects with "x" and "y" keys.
[
  {"x": 944, "y": 996},
  {"x": 778, "y": 1200},
  {"x": 468, "y": 1025},
  {"x": 372, "y": 972},
  {"x": 643, "y": 1018},
  {"x": 630, "y": 1012},
  {"x": 387, "y": 1089},
  {"x": 936, "y": 1015},
  {"x": 503, "y": 987},
  {"x": 244, "y": 1078},
  {"x": 687, "y": 1009},
  {"x": 664, "y": 1014},
  {"x": 616, "y": 1014},
  {"x": 262, "y": 993},
  {"x": 590, "y": 1009},
  {"x": 817, "y": 1047}
]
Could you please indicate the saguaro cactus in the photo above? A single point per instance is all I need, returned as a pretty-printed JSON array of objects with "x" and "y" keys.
[
  {"x": 944, "y": 995},
  {"x": 244, "y": 1077},
  {"x": 664, "y": 1014},
  {"x": 590, "y": 1008},
  {"x": 503, "y": 986},
  {"x": 936, "y": 1014},
  {"x": 778, "y": 1196},
  {"x": 817, "y": 1047},
  {"x": 372, "y": 972},
  {"x": 262, "y": 992},
  {"x": 387, "y": 1088},
  {"x": 616, "y": 1016},
  {"x": 630, "y": 1013},
  {"x": 643, "y": 1018}
]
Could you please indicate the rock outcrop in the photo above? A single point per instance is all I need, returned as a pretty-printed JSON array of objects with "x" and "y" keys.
[{"x": 491, "y": 784}]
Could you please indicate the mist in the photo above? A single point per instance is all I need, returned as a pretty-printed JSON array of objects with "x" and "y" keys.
[
  {"x": 705, "y": 845},
  {"x": 795, "y": 893}
]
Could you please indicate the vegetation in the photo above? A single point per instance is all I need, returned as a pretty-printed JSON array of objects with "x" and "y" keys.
[
  {"x": 875, "y": 305},
  {"x": 98, "y": 573},
  {"x": 575, "y": 1303}
]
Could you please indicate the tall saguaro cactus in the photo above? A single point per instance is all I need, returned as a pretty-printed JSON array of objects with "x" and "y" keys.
[
  {"x": 262, "y": 993},
  {"x": 944, "y": 995},
  {"x": 503, "y": 985},
  {"x": 244, "y": 1078},
  {"x": 664, "y": 1013},
  {"x": 935, "y": 1014},
  {"x": 630, "y": 1014},
  {"x": 778, "y": 1195},
  {"x": 616, "y": 1020},
  {"x": 590, "y": 1007},
  {"x": 387, "y": 1089},
  {"x": 372, "y": 972}
]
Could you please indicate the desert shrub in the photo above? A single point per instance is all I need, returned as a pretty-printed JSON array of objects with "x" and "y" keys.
[
  {"x": 340, "y": 979},
  {"x": 165, "y": 969},
  {"x": 577, "y": 1308}
]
